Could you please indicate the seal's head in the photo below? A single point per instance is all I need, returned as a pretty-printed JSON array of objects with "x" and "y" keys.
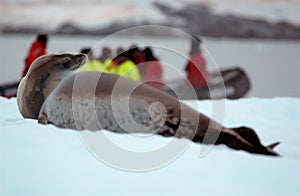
[{"x": 44, "y": 75}]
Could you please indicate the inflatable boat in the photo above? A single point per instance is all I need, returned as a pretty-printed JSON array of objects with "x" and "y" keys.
[{"x": 232, "y": 83}]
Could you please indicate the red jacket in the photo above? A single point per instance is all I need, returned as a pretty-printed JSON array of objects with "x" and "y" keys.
[
  {"x": 197, "y": 74},
  {"x": 36, "y": 50},
  {"x": 153, "y": 74}
]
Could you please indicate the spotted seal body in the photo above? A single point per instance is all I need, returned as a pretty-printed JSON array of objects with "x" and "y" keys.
[{"x": 95, "y": 100}]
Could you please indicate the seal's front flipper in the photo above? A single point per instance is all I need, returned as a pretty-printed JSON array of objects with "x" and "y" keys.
[{"x": 43, "y": 119}]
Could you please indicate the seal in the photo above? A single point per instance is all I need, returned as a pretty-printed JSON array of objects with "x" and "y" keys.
[
  {"x": 44, "y": 74},
  {"x": 95, "y": 101}
]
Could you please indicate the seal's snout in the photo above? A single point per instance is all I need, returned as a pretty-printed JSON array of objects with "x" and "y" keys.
[
  {"x": 81, "y": 59},
  {"x": 73, "y": 62}
]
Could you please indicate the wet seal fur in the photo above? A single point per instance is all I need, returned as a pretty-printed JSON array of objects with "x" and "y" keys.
[{"x": 92, "y": 107}]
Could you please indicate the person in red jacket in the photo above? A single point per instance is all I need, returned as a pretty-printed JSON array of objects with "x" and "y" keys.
[
  {"x": 151, "y": 70},
  {"x": 136, "y": 55},
  {"x": 37, "y": 49},
  {"x": 197, "y": 74}
]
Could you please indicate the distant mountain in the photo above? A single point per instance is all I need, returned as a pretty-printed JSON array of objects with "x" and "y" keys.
[
  {"x": 194, "y": 18},
  {"x": 198, "y": 19}
]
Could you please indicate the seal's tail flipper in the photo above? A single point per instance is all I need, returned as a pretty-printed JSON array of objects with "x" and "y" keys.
[
  {"x": 272, "y": 146},
  {"x": 254, "y": 145},
  {"x": 248, "y": 134}
]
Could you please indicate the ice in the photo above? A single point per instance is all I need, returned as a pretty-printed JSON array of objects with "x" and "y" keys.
[{"x": 45, "y": 160}]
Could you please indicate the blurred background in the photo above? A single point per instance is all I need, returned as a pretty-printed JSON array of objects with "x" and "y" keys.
[{"x": 261, "y": 36}]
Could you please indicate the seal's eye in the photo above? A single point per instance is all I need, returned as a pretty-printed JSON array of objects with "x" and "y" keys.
[{"x": 67, "y": 63}]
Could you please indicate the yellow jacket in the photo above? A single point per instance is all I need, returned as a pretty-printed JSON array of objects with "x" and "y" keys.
[
  {"x": 108, "y": 65},
  {"x": 128, "y": 69},
  {"x": 108, "y": 62},
  {"x": 93, "y": 65}
]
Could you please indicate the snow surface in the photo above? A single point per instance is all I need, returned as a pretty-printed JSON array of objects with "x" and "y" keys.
[{"x": 44, "y": 160}]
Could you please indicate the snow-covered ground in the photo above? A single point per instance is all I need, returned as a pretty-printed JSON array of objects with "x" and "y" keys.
[
  {"x": 91, "y": 13},
  {"x": 44, "y": 160}
]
